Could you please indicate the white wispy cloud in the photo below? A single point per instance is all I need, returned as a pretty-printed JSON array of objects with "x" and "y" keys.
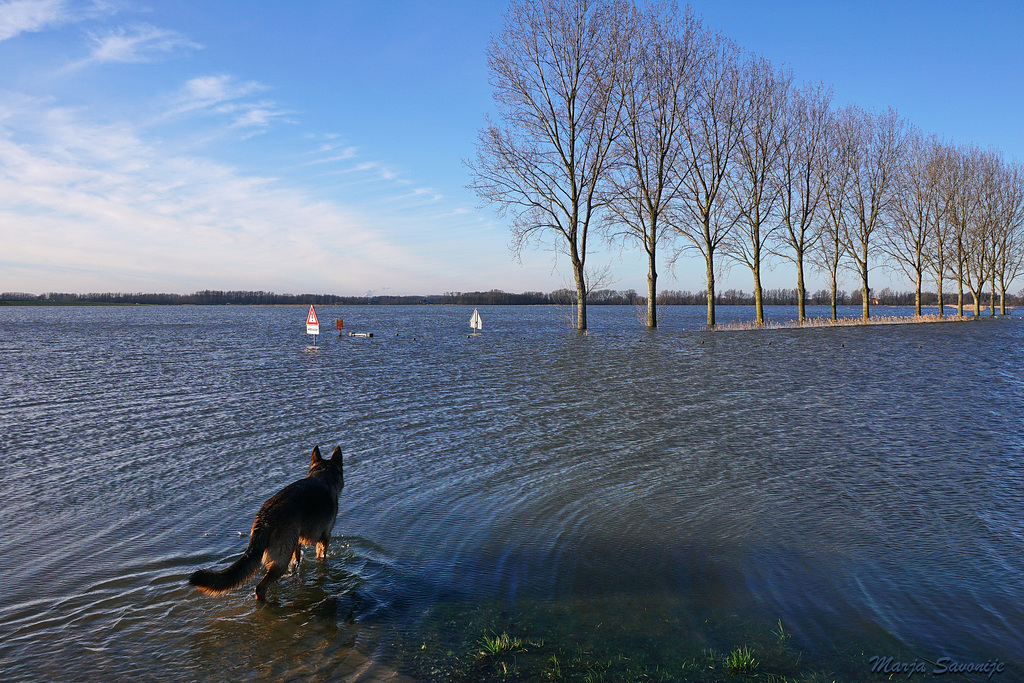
[
  {"x": 137, "y": 44},
  {"x": 27, "y": 16},
  {"x": 226, "y": 96},
  {"x": 255, "y": 117},
  {"x": 101, "y": 205},
  {"x": 331, "y": 152},
  {"x": 140, "y": 43},
  {"x": 390, "y": 185},
  {"x": 421, "y": 194},
  {"x": 379, "y": 169},
  {"x": 105, "y": 186},
  {"x": 206, "y": 92}
]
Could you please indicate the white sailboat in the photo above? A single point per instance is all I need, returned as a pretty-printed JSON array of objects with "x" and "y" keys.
[{"x": 475, "y": 322}]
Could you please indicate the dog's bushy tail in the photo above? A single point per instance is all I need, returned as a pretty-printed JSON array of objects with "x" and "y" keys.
[{"x": 215, "y": 583}]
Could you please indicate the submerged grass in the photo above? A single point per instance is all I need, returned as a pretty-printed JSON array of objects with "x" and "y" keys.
[{"x": 475, "y": 643}]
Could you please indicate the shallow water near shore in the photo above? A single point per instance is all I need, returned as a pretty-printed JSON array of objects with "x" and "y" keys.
[{"x": 661, "y": 497}]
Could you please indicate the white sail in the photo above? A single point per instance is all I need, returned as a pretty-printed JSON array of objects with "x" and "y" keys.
[{"x": 475, "y": 322}]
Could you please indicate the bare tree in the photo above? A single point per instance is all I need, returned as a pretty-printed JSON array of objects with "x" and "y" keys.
[
  {"x": 1009, "y": 256},
  {"x": 752, "y": 187},
  {"x": 711, "y": 134},
  {"x": 938, "y": 242},
  {"x": 798, "y": 176},
  {"x": 981, "y": 230},
  {"x": 835, "y": 177},
  {"x": 916, "y": 211},
  {"x": 997, "y": 226},
  {"x": 878, "y": 141},
  {"x": 962, "y": 209},
  {"x": 994, "y": 206},
  {"x": 656, "y": 94},
  {"x": 554, "y": 68}
]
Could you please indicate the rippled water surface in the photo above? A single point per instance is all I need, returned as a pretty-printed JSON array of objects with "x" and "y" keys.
[{"x": 647, "y": 494}]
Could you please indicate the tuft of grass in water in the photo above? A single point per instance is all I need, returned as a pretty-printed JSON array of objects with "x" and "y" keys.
[
  {"x": 496, "y": 645},
  {"x": 780, "y": 634},
  {"x": 554, "y": 670},
  {"x": 741, "y": 661}
]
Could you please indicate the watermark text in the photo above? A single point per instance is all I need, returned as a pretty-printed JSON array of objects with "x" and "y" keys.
[{"x": 941, "y": 666}]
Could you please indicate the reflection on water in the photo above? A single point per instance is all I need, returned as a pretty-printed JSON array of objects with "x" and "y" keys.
[{"x": 629, "y": 491}]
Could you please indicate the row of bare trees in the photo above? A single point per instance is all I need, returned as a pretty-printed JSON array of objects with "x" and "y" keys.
[
  {"x": 957, "y": 215},
  {"x": 640, "y": 124}
]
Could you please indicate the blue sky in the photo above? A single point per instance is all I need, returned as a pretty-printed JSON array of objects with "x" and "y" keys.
[{"x": 318, "y": 146}]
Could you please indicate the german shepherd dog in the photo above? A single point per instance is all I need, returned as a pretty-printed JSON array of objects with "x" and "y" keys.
[{"x": 302, "y": 512}]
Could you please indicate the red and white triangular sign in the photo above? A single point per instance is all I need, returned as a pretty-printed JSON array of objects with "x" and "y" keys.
[{"x": 312, "y": 324}]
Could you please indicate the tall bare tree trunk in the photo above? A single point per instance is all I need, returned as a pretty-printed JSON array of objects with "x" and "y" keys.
[
  {"x": 960, "y": 296},
  {"x": 659, "y": 64},
  {"x": 711, "y": 289},
  {"x": 579, "y": 274},
  {"x": 652, "y": 289},
  {"x": 992, "y": 297},
  {"x": 865, "y": 290},
  {"x": 711, "y": 134},
  {"x": 800, "y": 174},
  {"x": 878, "y": 142},
  {"x": 754, "y": 184},
  {"x": 555, "y": 68},
  {"x": 758, "y": 295},
  {"x": 917, "y": 297},
  {"x": 801, "y": 292},
  {"x": 835, "y": 296}
]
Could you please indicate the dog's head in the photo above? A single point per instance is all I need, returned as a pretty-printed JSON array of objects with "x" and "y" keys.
[{"x": 331, "y": 467}]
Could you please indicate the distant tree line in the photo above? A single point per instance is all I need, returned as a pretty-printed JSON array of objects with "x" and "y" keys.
[
  {"x": 636, "y": 122},
  {"x": 494, "y": 297},
  {"x": 561, "y": 297},
  {"x": 212, "y": 298}
]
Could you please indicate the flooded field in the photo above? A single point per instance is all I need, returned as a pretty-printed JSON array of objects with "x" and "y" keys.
[{"x": 623, "y": 505}]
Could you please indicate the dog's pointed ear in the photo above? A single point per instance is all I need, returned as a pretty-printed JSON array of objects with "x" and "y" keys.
[
  {"x": 336, "y": 453},
  {"x": 316, "y": 456}
]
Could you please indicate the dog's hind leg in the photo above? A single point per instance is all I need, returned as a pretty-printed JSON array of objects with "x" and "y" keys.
[
  {"x": 321, "y": 546},
  {"x": 274, "y": 572},
  {"x": 296, "y": 556}
]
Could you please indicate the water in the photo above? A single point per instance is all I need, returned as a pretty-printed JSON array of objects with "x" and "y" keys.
[{"x": 626, "y": 499}]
